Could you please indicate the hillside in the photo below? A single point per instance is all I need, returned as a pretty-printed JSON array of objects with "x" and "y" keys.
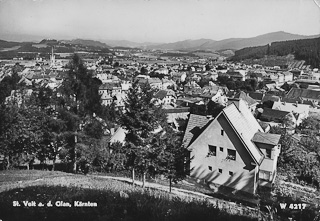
[
  {"x": 9, "y": 50},
  {"x": 130, "y": 44},
  {"x": 303, "y": 49},
  {"x": 56, "y": 196},
  {"x": 8, "y": 44},
  {"x": 231, "y": 43},
  {"x": 89, "y": 43},
  {"x": 183, "y": 45}
]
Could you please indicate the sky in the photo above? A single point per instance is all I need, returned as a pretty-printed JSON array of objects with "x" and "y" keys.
[{"x": 155, "y": 20}]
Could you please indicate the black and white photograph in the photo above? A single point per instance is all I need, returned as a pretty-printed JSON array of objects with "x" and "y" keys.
[{"x": 160, "y": 110}]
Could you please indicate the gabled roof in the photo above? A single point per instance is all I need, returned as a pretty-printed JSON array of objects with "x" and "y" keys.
[
  {"x": 271, "y": 113},
  {"x": 304, "y": 93},
  {"x": 241, "y": 95},
  {"x": 245, "y": 125},
  {"x": 270, "y": 97},
  {"x": 241, "y": 120},
  {"x": 291, "y": 107},
  {"x": 194, "y": 128},
  {"x": 292, "y": 100},
  {"x": 256, "y": 95},
  {"x": 266, "y": 138}
]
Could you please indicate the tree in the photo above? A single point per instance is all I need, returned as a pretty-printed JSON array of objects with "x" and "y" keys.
[
  {"x": 9, "y": 127},
  {"x": 298, "y": 160},
  {"x": 170, "y": 156},
  {"x": 21, "y": 132},
  {"x": 144, "y": 70},
  {"x": 8, "y": 84},
  {"x": 223, "y": 79},
  {"x": 140, "y": 119},
  {"x": 214, "y": 108},
  {"x": 80, "y": 102}
]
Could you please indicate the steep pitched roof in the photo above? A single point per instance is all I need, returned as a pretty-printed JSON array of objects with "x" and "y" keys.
[
  {"x": 266, "y": 138},
  {"x": 194, "y": 128},
  {"x": 245, "y": 126},
  {"x": 241, "y": 120},
  {"x": 245, "y": 97}
]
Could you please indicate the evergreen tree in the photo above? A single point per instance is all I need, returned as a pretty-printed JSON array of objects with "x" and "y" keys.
[
  {"x": 152, "y": 146},
  {"x": 140, "y": 119},
  {"x": 80, "y": 102},
  {"x": 170, "y": 156}
]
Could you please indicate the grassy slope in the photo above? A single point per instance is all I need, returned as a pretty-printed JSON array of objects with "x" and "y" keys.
[{"x": 141, "y": 204}]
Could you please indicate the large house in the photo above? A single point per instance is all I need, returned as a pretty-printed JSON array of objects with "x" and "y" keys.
[
  {"x": 232, "y": 150},
  {"x": 304, "y": 94},
  {"x": 300, "y": 111},
  {"x": 165, "y": 97}
]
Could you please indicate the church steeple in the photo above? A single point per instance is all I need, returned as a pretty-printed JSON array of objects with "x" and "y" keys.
[{"x": 52, "y": 58}]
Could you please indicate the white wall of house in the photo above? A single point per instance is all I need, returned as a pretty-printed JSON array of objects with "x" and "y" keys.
[{"x": 237, "y": 174}]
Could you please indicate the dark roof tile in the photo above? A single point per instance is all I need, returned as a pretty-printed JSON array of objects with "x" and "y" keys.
[
  {"x": 195, "y": 126},
  {"x": 266, "y": 138}
]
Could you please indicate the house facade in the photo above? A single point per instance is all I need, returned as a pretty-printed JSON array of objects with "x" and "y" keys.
[{"x": 224, "y": 153}]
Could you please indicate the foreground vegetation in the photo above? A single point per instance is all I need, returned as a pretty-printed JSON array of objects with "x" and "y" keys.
[{"x": 115, "y": 200}]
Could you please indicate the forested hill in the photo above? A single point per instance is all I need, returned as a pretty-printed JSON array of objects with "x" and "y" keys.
[{"x": 303, "y": 49}]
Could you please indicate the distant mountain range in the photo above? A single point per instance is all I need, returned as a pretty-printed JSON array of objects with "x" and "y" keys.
[
  {"x": 231, "y": 43},
  {"x": 130, "y": 44},
  {"x": 10, "y": 49}
]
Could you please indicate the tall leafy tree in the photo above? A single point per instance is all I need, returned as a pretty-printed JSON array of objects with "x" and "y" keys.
[{"x": 21, "y": 132}]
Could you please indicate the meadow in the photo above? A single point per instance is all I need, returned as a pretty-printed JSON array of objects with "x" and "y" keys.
[{"x": 112, "y": 200}]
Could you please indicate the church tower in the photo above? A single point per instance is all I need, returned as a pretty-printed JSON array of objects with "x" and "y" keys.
[{"x": 52, "y": 59}]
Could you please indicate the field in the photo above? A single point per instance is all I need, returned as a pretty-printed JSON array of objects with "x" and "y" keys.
[{"x": 109, "y": 200}]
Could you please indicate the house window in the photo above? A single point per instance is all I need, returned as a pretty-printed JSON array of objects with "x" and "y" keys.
[
  {"x": 230, "y": 173},
  {"x": 212, "y": 150},
  {"x": 210, "y": 168},
  {"x": 222, "y": 132},
  {"x": 264, "y": 175},
  {"x": 268, "y": 153},
  {"x": 221, "y": 149},
  {"x": 231, "y": 154},
  {"x": 220, "y": 170}
]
